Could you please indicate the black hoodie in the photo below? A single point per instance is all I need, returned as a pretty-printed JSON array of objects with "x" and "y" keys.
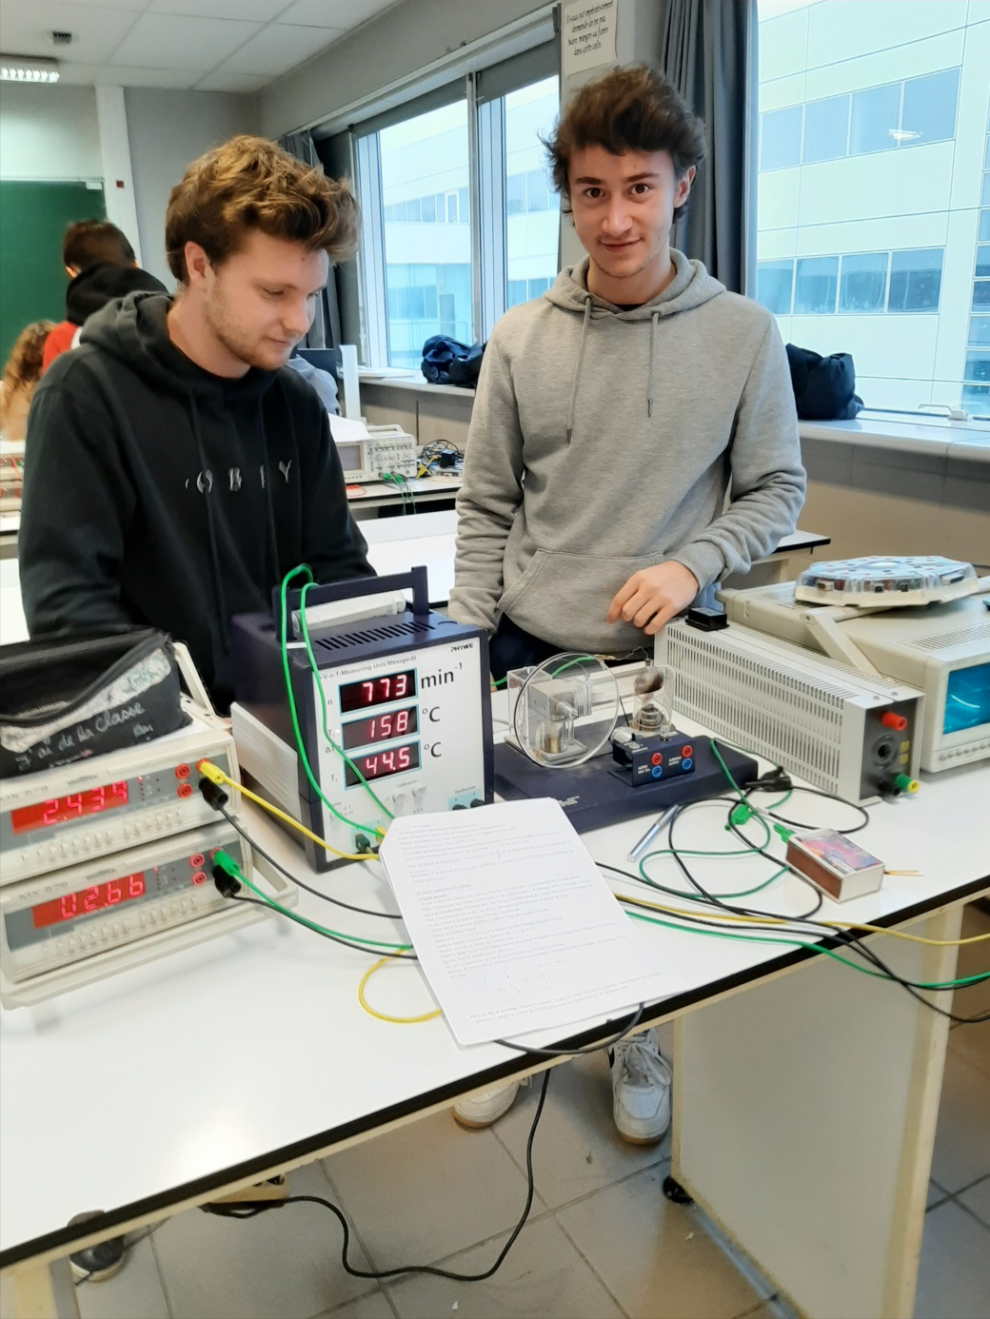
[
  {"x": 159, "y": 494},
  {"x": 94, "y": 287}
]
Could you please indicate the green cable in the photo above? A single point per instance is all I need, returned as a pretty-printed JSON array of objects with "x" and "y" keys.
[
  {"x": 326, "y": 731},
  {"x": 816, "y": 948},
  {"x": 230, "y": 867},
  {"x": 731, "y": 855},
  {"x": 304, "y": 759}
]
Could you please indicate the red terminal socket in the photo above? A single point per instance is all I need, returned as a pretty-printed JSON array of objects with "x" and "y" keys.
[
  {"x": 196, "y": 860},
  {"x": 656, "y": 758},
  {"x": 895, "y": 721},
  {"x": 182, "y": 771},
  {"x": 199, "y": 877},
  {"x": 184, "y": 790},
  {"x": 687, "y": 751}
]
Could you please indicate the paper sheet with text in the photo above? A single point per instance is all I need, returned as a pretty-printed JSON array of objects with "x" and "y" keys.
[{"x": 514, "y": 926}]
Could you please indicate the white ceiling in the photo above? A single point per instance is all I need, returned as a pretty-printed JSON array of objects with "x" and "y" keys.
[{"x": 202, "y": 45}]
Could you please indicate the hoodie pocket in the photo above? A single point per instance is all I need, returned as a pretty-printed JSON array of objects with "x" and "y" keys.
[
  {"x": 519, "y": 588},
  {"x": 564, "y": 595}
]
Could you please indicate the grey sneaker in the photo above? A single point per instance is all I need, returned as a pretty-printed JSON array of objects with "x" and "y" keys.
[
  {"x": 486, "y": 1106},
  {"x": 640, "y": 1089}
]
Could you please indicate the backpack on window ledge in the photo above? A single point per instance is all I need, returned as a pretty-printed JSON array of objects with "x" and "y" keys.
[{"x": 824, "y": 387}]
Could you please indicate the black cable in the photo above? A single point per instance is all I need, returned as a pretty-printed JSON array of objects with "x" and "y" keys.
[
  {"x": 408, "y": 1268},
  {"x": 843, "y": 938},
  {"x": 334, "y": 938},
  {"x": 363, "y": 911},
  {"x": 579, "y": 1053},
  {"x": 815, "y": 792}
]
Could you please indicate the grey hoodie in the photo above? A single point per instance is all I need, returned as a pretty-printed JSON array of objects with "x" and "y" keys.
[{"x": 603, "y": 441}]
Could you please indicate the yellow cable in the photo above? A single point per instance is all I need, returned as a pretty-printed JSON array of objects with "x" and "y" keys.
[
  {"x": 216, "y": 775},
  {"x": 383, "y": 1016},
  {"x": 786, "y": 920}
]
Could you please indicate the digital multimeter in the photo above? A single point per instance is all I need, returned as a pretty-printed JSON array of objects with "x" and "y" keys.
[
  {"x": 92, "y": 808},
  {"x": 70, "y": 927}
]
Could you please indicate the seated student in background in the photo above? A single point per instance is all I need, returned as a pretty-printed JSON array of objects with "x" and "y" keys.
[
  {"x": 101, "y": 267},
  {"x": 614, "y": 418},
  {"x": 178, "y": 469},
  {"x": 20, "y": 375}
]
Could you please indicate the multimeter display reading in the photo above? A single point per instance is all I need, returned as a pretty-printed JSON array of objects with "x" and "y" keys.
[
  {"x": 380, "y": 727},
  {"x": 94, "y": 898},
  {"x": 56, "y": 810},
  {"x": 377, "y": 691},
  {"x": 380, "y": 764}
]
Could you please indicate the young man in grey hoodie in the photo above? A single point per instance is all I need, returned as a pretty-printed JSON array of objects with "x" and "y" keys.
[{"x": 633, "y": 440}]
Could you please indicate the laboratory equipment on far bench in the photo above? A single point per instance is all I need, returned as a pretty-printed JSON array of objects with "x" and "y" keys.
[
  {"x": 569, "y": 739},
  {"x": 394, "y": 712}
]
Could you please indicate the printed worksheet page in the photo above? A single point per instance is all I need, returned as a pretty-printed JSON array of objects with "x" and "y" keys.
[{"x": 514, "y": 926}]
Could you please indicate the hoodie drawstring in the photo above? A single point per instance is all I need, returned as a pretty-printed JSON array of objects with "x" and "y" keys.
[
  {"x": 577, "y": 369},
  {"x": 651, "y": 386},
  {"x": 272, "y": 547},
  {"x": 219, "y": 598}
]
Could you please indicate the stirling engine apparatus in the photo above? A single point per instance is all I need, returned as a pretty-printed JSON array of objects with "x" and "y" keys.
[{"x": 564, "y": 717}]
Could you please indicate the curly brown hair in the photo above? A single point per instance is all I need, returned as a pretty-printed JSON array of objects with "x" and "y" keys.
[
  {"x": 250, "y": 183},
  {"x": 22, "y": 370},
  {"x": 629, "y": 108}
]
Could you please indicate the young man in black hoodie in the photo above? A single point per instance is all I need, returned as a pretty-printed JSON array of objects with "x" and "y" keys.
[
  {"x": 101, "y": 266},
  {"x": 178, "y": 470}
]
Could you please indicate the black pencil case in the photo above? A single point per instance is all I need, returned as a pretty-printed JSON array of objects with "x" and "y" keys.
[{"x": 68, "y": 699}]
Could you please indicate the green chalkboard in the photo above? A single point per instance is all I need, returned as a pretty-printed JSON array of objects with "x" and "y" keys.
[{"x": 33, "y": 221}]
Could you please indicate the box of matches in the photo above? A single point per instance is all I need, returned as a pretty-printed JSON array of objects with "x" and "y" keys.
[{"x": 835, "y": 864}]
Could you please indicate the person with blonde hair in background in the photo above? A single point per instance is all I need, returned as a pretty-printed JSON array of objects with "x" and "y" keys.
[{"x": 20, "y": 375}]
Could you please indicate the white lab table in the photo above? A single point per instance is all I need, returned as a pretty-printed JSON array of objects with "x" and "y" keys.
[{"x": 805, "y": 1095}]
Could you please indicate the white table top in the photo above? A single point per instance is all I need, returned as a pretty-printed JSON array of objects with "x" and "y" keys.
[{"x": 251, "y": 1049}]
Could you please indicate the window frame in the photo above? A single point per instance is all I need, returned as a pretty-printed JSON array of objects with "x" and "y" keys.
[{"x": 484, "y": 92}]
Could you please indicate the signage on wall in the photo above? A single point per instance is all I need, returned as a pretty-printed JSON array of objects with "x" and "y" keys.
[{"x": 588, "y": 36}]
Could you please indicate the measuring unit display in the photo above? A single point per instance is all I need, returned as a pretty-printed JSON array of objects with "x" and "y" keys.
[
  {"x": 77, "y": 925},
  {"x": 93, "y": 808},
  {"x": 397, "y": 704}
]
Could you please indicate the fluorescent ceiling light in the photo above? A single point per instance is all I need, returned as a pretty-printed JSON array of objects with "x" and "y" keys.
[{"x": 28, "y": 68}]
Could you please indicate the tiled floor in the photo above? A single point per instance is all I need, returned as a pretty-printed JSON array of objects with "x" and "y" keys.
[{"x": 601, "y": 1241}]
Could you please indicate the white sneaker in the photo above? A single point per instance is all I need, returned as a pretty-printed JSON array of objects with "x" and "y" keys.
[
  {"x": 640, "y": 1089},
  {"x": 486, "y": 1106}
]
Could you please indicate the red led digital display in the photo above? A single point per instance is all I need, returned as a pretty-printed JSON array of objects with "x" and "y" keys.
[
  {"x": 377, "y": 691},
  {"x": 95, "y": 898},
  {"x": 380, "y": 727},
  {"x": 75, "y": 806},
  {"x": 379, "y": 764}
]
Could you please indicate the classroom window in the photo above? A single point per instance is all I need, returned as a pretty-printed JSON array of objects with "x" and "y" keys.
[
  {"x": 863, "y": 286},
  {"x": 979, "y": 330},
  {"x": 929, "y": 109},
  {"x": 427, "y": 269},
  {"x": 780, "y": 138},
  {"x": 915, "y": 280},
  {"x": 826, "y": 129},
  {"x": 815, "y": 285},
  {"x": 886, "y": 172},
  {"x": 531, "y": 240},
  {"x": 876, "y": 116},
  {"x": 774, "y": 282}
]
